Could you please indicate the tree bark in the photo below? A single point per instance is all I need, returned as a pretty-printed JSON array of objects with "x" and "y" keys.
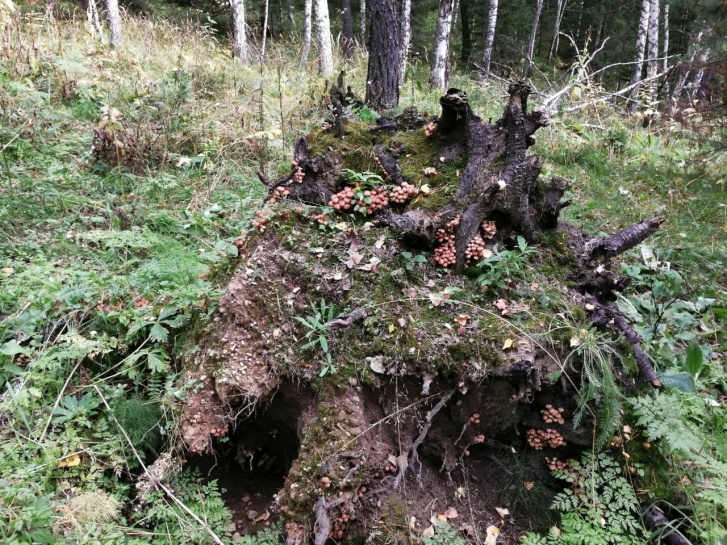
[
  {"x": 239, "y": 30},
  {"x": 362, "y": 25},
  {"x": 307, "y": 31},
  {"x": 531, "y": 42},
  {"x": 559, "y": 11},
  {"x": 490, "y": 39},
  {"x": 405, "y": 39},
  {"x": 639, "y": 54},
  {"x": 652, "y": 65},
  {"x": 116, "y": 38},
  {"x": 464, "y": 13},
  {"x": 440, "y": 55},
  {"x": 91, "y": 9},
  {"x": 665, "y": 48},
  {"x": 685, "y": 68},
  {"x": 323, "y": 34},
  {"x": 382, "y": 79},
  {"x": 266, "y": 12},
  {"x": 349, "y": 45}
]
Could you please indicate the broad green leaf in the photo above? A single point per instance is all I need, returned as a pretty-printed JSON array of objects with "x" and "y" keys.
[
  {"x": 679, "y": 381},
  {"x": 12, "y": 348},
  {"x": 158, "y": 333},
  {"x": 695, "y": 360}
]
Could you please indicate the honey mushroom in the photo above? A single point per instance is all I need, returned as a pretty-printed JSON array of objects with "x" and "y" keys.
[{"x": 402, "y": 193}]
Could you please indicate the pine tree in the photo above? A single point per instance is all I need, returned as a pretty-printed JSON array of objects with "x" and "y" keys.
[{"x": 382, "y": 80}]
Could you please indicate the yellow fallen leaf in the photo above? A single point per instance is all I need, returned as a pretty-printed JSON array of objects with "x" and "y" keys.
[
  {"x": 391, "y": 328},
  {"x": 70, "y": 461},
  {"x": 507, "y": 344},
  {"x": 442, "y": 518},
  {"x": 492, "y": 533},
  {"x": 451, "y": 513}
]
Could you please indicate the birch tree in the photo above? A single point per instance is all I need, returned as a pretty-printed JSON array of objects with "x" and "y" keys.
[
  {"x": 490, "y": 39},
  {"x": 531, "y": 42},
  {"x": 112, "y": 8},
  {"x": 639, "y": 54},
  {"x": 382, "y": 78},
  {"x": 92, "y": 16},
  {"x": 665, "y": 48},
  {"x": 239, "y": 30},
  {"x": 323, "y": 33},
  {"x": 266, "y": 8},
  {"x": 362, "y": 25},
  {"x": 559, "y": 11},
  {"x": 652, "y": 64},
  {"x": 405, "y": 39},
  {"x": 307, "y": 27},
  {"x": 440, "y": 55}
]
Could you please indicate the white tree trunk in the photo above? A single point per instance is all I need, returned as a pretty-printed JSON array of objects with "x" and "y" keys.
[
  {"x": 559, "y": 11},
  {"x": 686, "y": 67},
  {"x": 652, "y": 65},
  {"x": 665, "y": 48},
  {"x": 93, "y": 18},
  {"x": 639, "y": 54},
  {"x": 490, "y": 39},
  {"x": 440, "y": 55},
  {"x": 265, "y": 30},
  {"x": 112, "y": 7},
  {"x": 533, "y": 34},
  {"x": 240, "y": 30},
  {"x": 363, "y": 25},
  {"x": 307, "y": 31},
  {"x": 323, "y": 33},
  {"x": 405, "y": 39}
]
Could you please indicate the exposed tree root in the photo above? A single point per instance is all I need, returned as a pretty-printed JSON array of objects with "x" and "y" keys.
[
  {"x": 655, "y": 520},
  {"x": 624, "y": 240}
]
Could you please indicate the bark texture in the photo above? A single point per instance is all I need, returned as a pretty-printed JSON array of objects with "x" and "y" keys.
[
  {"x": 382, "y": 79},
  {"x": 636, "y": 74},
  {"x": 531, "y": 42},
  {"x": 92, "y": 16},
  {"x": 114, "y": 15},
  {"x": 362, "y": 25},
  {"x": 665, "y": 48},
  {"x": 652, "y": 65},
  {"x": 405, "y": 39},
  {"x": 490, "y": 39},
  {"x": 349, "y": 46},
  {"x": 307, "y": 31},
  {"x": 323, "y": 34},
  {"x": 559, "y": 11},
  {"x": 239, "y": 30},
  {"x": 440, "y": 55},
  {"x": 464, "y": 13}
]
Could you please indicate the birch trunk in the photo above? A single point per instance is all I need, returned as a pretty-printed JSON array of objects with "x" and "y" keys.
[
  {"x": 382, "y": 78},
  {"x": 307, "y": 27},
  {"x": 239, "y": 29},
  {"x": 323, "y": 33},
  {"x": 347, "y": 28},
  {"x": 265, "y": 29},
  {"x": 652, "y": 64},
  {"x": 405, "y": 39},
  {"x": 639, "y": 54},
  {"x": 490, "y": 39},
  {"x": 665, "y": 48},
  {"x": 440, "y": 55},
  {"x": 112, "y": 7},
  {"x": 531, "y": 43},
  {"x": 92, "y": 16},
  {"x": 362, "y": 25},
  {"x": 559, "y": 11}
]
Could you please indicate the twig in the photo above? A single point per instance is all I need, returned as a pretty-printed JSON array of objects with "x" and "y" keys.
[
  {"x": 161, "y": 485},
  {"x": 413, "y": 455}
]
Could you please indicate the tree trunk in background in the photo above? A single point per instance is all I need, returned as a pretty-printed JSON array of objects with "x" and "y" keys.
[
  {"x": 323, "y": 34},
  {"x": 440, "y": 54},
  {"x": 464, "y": 14},
  {"x": 652, "y": 65},
  {"x": 91, "y": 9},
  {"x": 382, "y": 78},
  {"x": 347, "y": 26},
  {"x": 665, "y": 48},
  {"x": 405, "y": 39},
  {"x": 362, "y": 25},
  {"x": 639, "y": 54},
  {"x": 580, "y": 20},
  {"x": 266, "y": 14},
  {"x": 307, "y": 28},
  {"x": 239, "y": 30},
  {"x": 531, "y": 43},
  {"x": 559, "y": 11},
  {"x": 685, "y": 68},
  {"x": 112, "y": 7},
  {"x": 490, "y": 39}
]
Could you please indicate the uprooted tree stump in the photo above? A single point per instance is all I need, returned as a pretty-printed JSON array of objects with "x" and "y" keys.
[{"x": 409, "y": 380}]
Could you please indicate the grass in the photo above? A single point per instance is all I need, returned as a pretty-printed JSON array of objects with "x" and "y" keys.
[{"x": 103, "y": 265}]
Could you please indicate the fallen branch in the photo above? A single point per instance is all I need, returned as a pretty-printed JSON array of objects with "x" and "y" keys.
[{"x": 624, "y": 240}]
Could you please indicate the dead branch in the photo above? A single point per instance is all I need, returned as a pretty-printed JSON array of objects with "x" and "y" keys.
[
  {"x": 413, "y": 454},
  {"x": 345, "y": 321},
  {"x": 624, "y": 240}
]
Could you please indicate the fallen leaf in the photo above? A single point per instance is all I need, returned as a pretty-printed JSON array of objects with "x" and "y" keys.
[
  {"x": 392, "y": 327},
  {"x": 623, "y": 191},
  {"x": 73, "y": 460},
  {"x": 507, "y": 344},
  {"x": 380, "y": 242},
  {"x": 555, "y": 531},
  {"x": 425, "y": 189},
  {"x": 451, "y": 513},
  {"x": 7, "y": 271},
  {"x": 501, "y": 304},
  {"x": 462, "y": 319},
  {"x": 441, "y": 518},
  {"x": 504, "y": 513},
  {"x": 428, "y": 532},
  {"x": 575, "y": 341},
  {"x": 430, "y": 172},
  {"x": 377, "y": 366},
  {"x": 338, "y": 276},
  {"x": 492, "y": 533},
  {"x": 392, "y": 460},
  {"x": 264, "y": 516}
]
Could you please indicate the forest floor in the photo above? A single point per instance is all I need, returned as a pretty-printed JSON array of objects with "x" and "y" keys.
[{"x": 141, "y": 312}]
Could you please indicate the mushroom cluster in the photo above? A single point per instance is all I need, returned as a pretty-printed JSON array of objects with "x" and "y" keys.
[
  {"x": 377, "y": 197},
  {"x": 346, "y": 513},
  {"x": 558, "y": 465},
  {"x": 539, "y": 439},
  {"x": 298, "y": 175},
  {"x": 322, "y": 219},
  {"x": 553, "y": 415},
  {"x": 260, "y": 221},
  {"x": 489, "y": 230},
  {"x": 280, "y": 193},
  {"x": 342, "y": 200},
  {"x": 214, "y": 430},
  {"x": 402, "y": 193},
  {"x": 378, "y": 164},
  {"x": 430, "y": 129},
  {"x": 474, "y": 419},
  {"x": 475, "y": 250},
  {"x": 445, "y": 254}
]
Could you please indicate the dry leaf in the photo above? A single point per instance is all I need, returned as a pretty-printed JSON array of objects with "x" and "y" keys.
[
  {"x": 392, "y": 327},
  {"x": 451, "y": 513},
  {"x": 528, "y": 485},
  {"x": 492, "y": 533},
  {"x": 430, "y": 172},
  {"x": 70, "y": 461},
  {"x": 462, "y": 319},
  {"x": 507, "y": 344},
  {"x": 379, "y": 242},
  {"x": 441, "y": 518},
  {"x": 504, "y": 513},
  {"x": 428, "y": 532},
  {"x": 555, "y": 531}
]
